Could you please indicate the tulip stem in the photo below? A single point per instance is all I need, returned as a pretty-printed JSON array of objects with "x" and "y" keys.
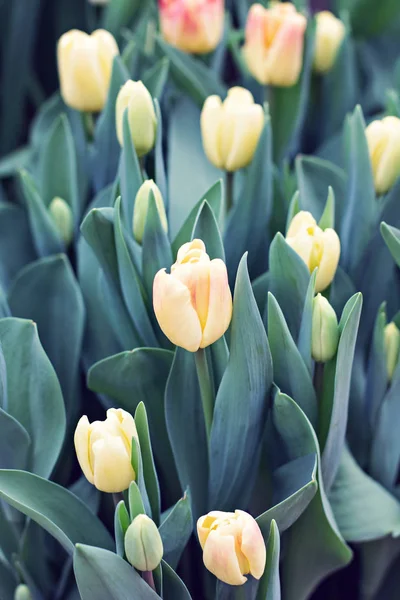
[
  {"x": 88, "y": 125},
  {"x": 149, "y": 579},
  {"x": 229, "y": 191},
  {"x": 206, "y": 391},
  {"x": 266, "y": 95}
]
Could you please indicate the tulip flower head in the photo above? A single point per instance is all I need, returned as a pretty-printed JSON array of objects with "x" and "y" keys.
[
  {"x": 194, "y": 26},
  {"x": 316, "y": 247},
  {"x": 329, "y": 36},
  {"x": 84, "y": 66},
  {"x": 392, "y": 348},
  {"x": 193, "y": 304},
  {"x": 63, "y": 219},
  {"x": 231, "y": 129},
  {"x": 325, "y": 330},
  {"x": 383, "y": 139},
  {"x": 143, "y": 544},
  {"x": 136, "y": 99},
  {"x": 233, "y": 546},
  {"x": 104, "y": 449},
  {"x": 141, "y": 208},
  {"x": 274, "y": 43}
]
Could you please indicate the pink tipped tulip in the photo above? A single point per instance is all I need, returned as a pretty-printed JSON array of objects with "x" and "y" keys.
[
  {"x": 274, "y": 44},
  {"x": 233, "y": 546},
  {"x": 193, "y": 304},
  {"x": 194, "y": 26}
]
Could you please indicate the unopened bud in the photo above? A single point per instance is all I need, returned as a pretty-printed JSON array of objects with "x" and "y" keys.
[
  {"x": 325, "y": 330},
  {"x": 62, "y": 216},
  {"x": 136, "y": 99},
  {"x": 142, "y": 206},
  {"x": 22, "y": 592},
  {"x": 143, "y": 544},
  {"x": 392, "y": 346}
]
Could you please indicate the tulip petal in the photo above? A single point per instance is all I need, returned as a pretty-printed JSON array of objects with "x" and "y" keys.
[
  {"x": 81, "y": 441},
  {"x": 220, "y": 304},
  {"x": 285, "y": 57},
  {"x": 107, "y": 50},
  {"x": 329, "y": 261},
  {"x": 388, "y": 167},
  {"x": 113, "y": 471},
  {"x": 125, "y": 425},
  {"x": 220, "y": 558},
  {"x": 302, "y": 243},
  {"x": 301, "y": 220},
  {"x": 175, "y": 313},
  {"x": 205, "y": 523},
  {"x": 253, "y": 545},
  {"x": 255, "y": 50},
  {"x": 210, "y": 122},
  {"x": 86, "y": 89},
  {"x": 247, "y": 129}
]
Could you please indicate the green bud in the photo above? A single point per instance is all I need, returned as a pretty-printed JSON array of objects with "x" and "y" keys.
[
  {"x": 142, "y": 206},
  {"x": 22, "y": 592},
  {"x": 136, "y": 99},
  {"x": 143, "y": 544},
  {"x": 392, "y": 345},
  {"x": 325, "y": 330},
  {"x": 61, "y": 214}
]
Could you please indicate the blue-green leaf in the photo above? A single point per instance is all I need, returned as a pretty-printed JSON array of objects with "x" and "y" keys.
[
  {"x": 176, "y": 530},
  {"x": 15, "y": 443},
  {"x": 270, "y": 587},
  {"x": 130, "y": 175}
]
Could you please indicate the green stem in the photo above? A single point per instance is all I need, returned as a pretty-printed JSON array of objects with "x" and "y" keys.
[
  {"x": 88, "y": 125},
  {"x": 206, "y": 391},
  {"x": 117, "y": 497},
  {"x": 266, "y": 95},
  {"x": 149, "y": 579},
  {"x": 229, "y": 191}
]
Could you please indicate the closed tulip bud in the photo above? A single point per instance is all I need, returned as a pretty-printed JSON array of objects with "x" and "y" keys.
[
  {"x": 329, "y": 36},
  {"x": 392, "y": 346},
  {"x": 61, "y": 214},
  {"x": 143, "y": 544},
  {"x": 194, "y": 26},
  {"x": 193, "y": 304},
  {"x": 136, "y": 99},
  {"x": 84, "y": 66},
  {"x": 233, "y": 546},
  {"x": 142, "y": 206},
  {"x": 22, "y": 592},
  {"x": 104, "y": 449},
  {"x": 316, "y": 247},
  {"x": 325, "y": 330},
  {"x": 231, "y": 129},
  {"x": 274, "y": 43},
  {"x": 383, "y": 139}
]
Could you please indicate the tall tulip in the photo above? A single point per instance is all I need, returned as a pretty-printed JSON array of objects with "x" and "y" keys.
[
  {"x": 329, "y": 35},
  {"x": 383, "y": 139}
]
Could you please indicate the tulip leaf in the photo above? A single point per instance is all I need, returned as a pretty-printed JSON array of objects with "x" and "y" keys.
[
  {"x": 294, "y": 208},
  {"x": 176, "y": 530},
  {"x": 34, "y": 396},
  {"x": 173, "y": 586},
  {"x": 15, "y": 443},
  {"x": 9, "y": 542},
  {"x": 136, "y": 506},
  {"x": 206, "y": 228},
  {"x": 269, "y": 587},
  {"x": 130, "y": 174},
  {"x": 8, "y": 581},
  {"x": 377, "y": 376},
  {"x": 121, "y": 523},
  {"x": 305, "y": 334},
  {"x": 137, "y": 465},
  {"x": 54, "y": 508},
  {"x": 391, "y": 235},
  {"x": 366, "y": 21},
  {"x": 119, "y": 14},
  {"x": 327, "y": 219},
  {"x": 104, "y": 575},
  {"x": 290, "y": 371},
  {"x": 156, "y": 77},
  {"x": 239, "y": 416},
  {"x": 15, "y": 250}
]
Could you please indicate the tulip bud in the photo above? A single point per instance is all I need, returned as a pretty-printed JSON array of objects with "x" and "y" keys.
[
  {"x": 317, "y": 248},
  {"x": 135, "y": 98},
  {"x": 143, "y": 544},
  {"x": 99, "y": 2},
  {"x": 325, "y": 330},
  {"x": 231, "y": 129},
  {"x": 22, "y": 592},
  {"x": 392, "y": 346},
  {"x": 193, "y": 304},
  {"x": 84, "y": 66},
  {"x": 192, "y": 25},
  {"x": 329, "y": 36},
  {"x": 274, "y": 43},
  {"x": 141, "y": 208},
  {"x": 233, "y": 546},
  {"x": 104, "y": 449},
  {"x": 61, "y": 214},
  {"x": 383, "y": 139}
]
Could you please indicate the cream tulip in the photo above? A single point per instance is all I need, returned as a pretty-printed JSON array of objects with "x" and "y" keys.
[
  {"x": 392, "y": 348},
  {"x": 325, "y": 330},
  {"x": 383, "y": 139},
  {"x": 231, "y": 129},
  {"x": 136, "y": 99},
  {"x": 141, "y": 208},
  {"x": 329, "y": 35},
  {"x": 317, "y": 248},
  {"x": 63, "y": 219},
  {"x": 104, "y": 448},
  {"x": 233, "y": 546},
  {"x": 193, "y": 304}
]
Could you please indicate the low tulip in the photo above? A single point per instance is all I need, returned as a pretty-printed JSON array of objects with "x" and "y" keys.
[
  {"x": 193, "y": 304},
  {"x": 317, "y": 248},
  {"x": 141, "y": 208},
  {"x": 274, "y": 43},
  {"x": 383, "y": 139},
  {"x": 61, "y": 215},
  {"x": 136, "y": 99},
  {"x": 104, "y": 448},
  {"x": 325, "y": 330},
  {"x": 84, "y": 66},
  {"x": 329, "y": 36},
  {"x": 194, "y": 26},
  {"x": 231, "y": 129},
  {"x": 143, "y": 544},
  {"x": 392, "y": 347},
  {"x": 233, "y": 546}
]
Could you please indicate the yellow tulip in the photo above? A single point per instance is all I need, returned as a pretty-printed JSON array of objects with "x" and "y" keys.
[
  {"x": 274, "y": 43},
  {"x": 325, "y": 330},
  {"x": 383, "y": 139},
  {"x": 317, "y": 248},
  {"x": 392, "y": 347},
  {"x": 84, "y": 67},
  {"x": 143, "y": 544},
  {"x": 104, "y": 448},
  {"x": 233, "y": 546},
  {"x": 192, "y": 25},
  {"x": 329, "y": 36},
  {"x": 135, "y": 97},
  {"x": 231, "y": 129},
  {"x": 141, "y": 208},
  {"x": 193, "y": 304},
  {"x": 61, "y": 215}
]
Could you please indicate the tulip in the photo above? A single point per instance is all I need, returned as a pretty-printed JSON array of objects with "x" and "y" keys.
[
  {"x": 325, "y": 330},
  {"x": 104, "y": 449},
  {"x": 135, "y": 97},
  {"x": 274, "y": 43},
  {"x": 22, "y": 592},
  {"x": 85, "y": 65},
  {"x": 317, "y": 248},
  {"x": 392, "y": 347},
  {"x": 383, "y": 139},
  {"x": 233, "y": 546},
  {"x": 61, "y": 215},
  {"x": 231, "y": 129},
  {"x": 192, "y": 25},
  {"x": 141, "y": 208},
  {"x": 329, "y": 36},
  {"x": 193, "y": 304},
  {"x": 143, "y": 544}
]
